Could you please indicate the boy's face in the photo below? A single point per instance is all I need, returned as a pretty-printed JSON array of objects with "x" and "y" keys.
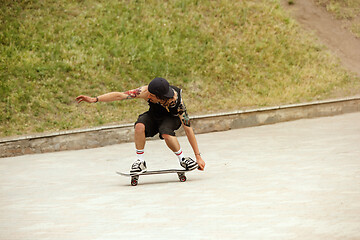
[{"x": 155, "y": 99}]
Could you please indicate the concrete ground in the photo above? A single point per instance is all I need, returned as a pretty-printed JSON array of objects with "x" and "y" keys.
[{"x": 293, "y": 180}]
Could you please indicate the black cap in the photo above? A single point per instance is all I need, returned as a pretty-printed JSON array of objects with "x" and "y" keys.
[{"x": 161, "y": 88}]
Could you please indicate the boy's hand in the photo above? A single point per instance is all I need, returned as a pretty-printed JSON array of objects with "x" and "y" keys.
[
  {"x": 200, "y": 162},
  {"x": 84, "y": 98}
]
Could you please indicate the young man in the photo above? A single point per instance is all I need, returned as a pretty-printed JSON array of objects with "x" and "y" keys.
[{"x": 166, "y": 114}]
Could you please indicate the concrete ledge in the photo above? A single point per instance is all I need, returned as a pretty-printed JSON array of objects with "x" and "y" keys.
[{"x": 107, "y": 135}]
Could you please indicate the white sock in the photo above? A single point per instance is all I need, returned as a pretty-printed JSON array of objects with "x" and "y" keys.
[
  {"x": 179, "y": 154},
  {"x": 140, "y": 154}
]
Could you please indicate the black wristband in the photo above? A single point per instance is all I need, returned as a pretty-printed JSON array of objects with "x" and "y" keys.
[{"x": 97, "y": 99}]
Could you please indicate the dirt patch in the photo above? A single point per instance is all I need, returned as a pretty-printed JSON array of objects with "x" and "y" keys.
[{"x": 329, "y": 30}]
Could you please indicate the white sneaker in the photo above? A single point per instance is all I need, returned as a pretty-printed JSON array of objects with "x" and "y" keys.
[
  {"x": 188, "y": 163},
  {"x": 138, "y": 167}
]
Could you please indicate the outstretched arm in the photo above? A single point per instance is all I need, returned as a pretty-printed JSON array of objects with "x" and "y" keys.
[{"x": 140, "y": 92}]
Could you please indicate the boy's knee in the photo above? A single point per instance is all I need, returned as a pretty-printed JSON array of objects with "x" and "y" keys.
[
  {"x": 139, "y": 128},
  {"x": 166, "y": 136}
]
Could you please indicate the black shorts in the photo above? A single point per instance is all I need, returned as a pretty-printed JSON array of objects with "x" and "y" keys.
[{"x": 164, "y": 125}]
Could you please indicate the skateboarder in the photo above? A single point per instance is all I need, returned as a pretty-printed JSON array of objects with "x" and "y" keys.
[{"x": 167, "y": 112}]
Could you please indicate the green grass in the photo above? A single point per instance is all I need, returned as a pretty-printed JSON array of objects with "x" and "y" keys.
[
  {"x": 225, "y": 54},
  {"x": 346, "y": 10}
]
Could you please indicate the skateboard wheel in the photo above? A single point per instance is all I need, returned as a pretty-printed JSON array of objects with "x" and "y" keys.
[
  {"x": 182, "y": 178},
  {"x": 134, "y": 181}
]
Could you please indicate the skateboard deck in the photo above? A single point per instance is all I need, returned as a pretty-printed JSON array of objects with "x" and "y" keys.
[{"x": 135, "y": 176}]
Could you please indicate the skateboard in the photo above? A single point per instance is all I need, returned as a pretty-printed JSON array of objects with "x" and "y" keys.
[{"x": 135, "y": 176}]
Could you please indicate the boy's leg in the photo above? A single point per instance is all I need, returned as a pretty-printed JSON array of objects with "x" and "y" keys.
[
  {"x": 167, "y": 133},
  {"x": 140, "y": 141},
  {"x": 140, "y": 138},
  {"x": 144, "y": 127},
  {"x": 171, "y": 142}
]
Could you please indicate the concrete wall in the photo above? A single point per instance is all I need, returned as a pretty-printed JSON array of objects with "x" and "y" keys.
[{"x": 107, "y": 135}]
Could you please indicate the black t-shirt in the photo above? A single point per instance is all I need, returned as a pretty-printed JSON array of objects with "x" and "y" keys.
[{"x": 158, "y": 111}]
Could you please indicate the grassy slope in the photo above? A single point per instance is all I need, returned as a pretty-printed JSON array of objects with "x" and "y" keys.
[
  {"x": 225, "y": 54},
  {"x": 346, "y": 10}
]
